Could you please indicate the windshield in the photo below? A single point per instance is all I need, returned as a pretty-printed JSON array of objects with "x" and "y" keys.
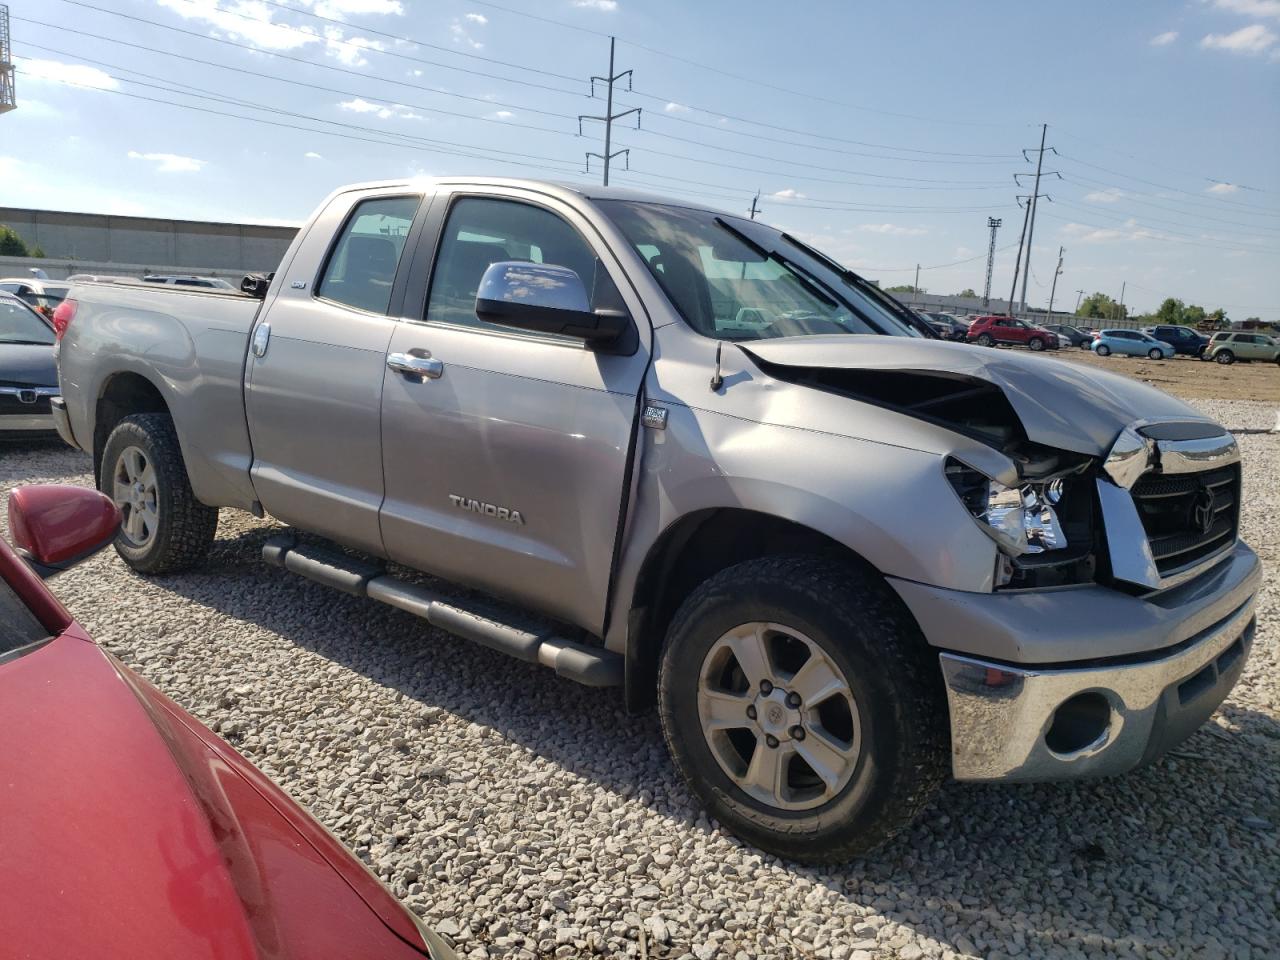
[
  {"x": 735, "y": 279},
  {"x": 18, "y": 324}
]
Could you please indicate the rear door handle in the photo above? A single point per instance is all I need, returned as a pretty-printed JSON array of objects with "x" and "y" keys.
[{"x": 420, "y": 364}]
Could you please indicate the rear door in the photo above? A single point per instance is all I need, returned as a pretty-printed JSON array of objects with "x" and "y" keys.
[
  {"x": 314, "y": 393},
  {"x": 507, "y": 471}
]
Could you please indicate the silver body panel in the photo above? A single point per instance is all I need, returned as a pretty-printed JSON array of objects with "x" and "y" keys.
[{"x": 377, "y": 430}]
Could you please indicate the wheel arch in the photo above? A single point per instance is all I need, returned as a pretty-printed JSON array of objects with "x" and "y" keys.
[
  {"x": 122, "y": 394},
  {"x": 691, "y": 550}
]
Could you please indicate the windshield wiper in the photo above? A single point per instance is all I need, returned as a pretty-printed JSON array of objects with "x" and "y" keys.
[
  {"x": 858, "y": 283},
  {"x": 29, "y": 343},
  {"x": 811, "y": 283}
]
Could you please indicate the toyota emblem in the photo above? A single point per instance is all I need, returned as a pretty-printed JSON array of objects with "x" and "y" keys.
[{"x": 1202, "y": 510}]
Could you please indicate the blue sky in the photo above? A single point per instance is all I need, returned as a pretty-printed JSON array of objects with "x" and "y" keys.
[{"x": 884, "y": 132}]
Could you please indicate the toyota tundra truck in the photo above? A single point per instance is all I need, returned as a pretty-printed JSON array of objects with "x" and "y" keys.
[{"x": 676, "y": 451}]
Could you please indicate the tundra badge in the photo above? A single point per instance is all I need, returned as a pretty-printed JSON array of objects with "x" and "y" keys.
[{"x": 488, "y": 509}]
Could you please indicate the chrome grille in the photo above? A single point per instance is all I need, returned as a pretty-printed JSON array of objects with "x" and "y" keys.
[{"x": 1188, "y": 516}]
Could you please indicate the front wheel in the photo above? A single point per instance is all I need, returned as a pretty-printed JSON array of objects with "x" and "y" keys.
[
  {"x": 984, "y": 340},
  {"x": 1035, "y": 343},
  {"x": 1224, "y": 357},
  {"x": 1103, "y": 350},
  {"x": 163, "y": 528},
  {"x": 1155, "y": 354},
  {"x": 799, "y": 703}
]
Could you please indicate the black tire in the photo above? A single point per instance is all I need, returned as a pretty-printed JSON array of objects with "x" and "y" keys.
[
  {"x": 895, "y": 681},
  {"x": 184, "y": 527},
  {"x": 1102, "y": 350},
  {"x": 1224, "y": 357},
  {"x": 984, "y": 340},
  {"x": 1155, "y": 354},
  {"x": 1035, "y": 343}
]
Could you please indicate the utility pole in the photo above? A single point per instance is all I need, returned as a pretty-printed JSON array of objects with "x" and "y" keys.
[
  {"x": 1123, "y": 284},
  {"x": 1054, "y": 289},
  {"x": 916, "y": 289},
  {"x": 993, "y": 223},
  {"x": 1079, "y": 294},
  {"x": 1035, "y": 195},
  {"x": 609, "y": 117},
  {"x": 1018, "y": 262},
  {"x": 755, "y": 208}
]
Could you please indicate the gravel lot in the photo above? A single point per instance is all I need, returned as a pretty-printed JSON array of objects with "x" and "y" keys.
[{"x": 523, "y": 815}]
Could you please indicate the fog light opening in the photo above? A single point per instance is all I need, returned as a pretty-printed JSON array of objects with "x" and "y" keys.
[{"x": 1079, "y": 723}]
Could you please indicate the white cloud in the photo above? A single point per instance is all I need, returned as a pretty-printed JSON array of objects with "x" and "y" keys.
[
  {"x": 675, "y": 108},
  {"x": 962, "y": 252},
  {"x": 790, "y": 193},
  {"x": 893, "y": 229},
  {"x": 1247, "y": 40},
  {"x": 477, "y": 18},
  {"x": 360, "y": 105},
  {"x": 608, "y": 6},
  {"x": 1164, "y": 39},
  {"x": 53, "y": 70},
  {"x": 348, "y": 50},
  {"x": 462, "y": 36},
  {"x": 1223, "y": 188},
  {"x": 502, "y": 115},
  {"x": 1251, "y": 8},
  {"x": 169, "y": 162},
  {"x": 312, "y": 155},
  {"x": 340, "y": 8},
  {"x": 1110, "y": 195}
]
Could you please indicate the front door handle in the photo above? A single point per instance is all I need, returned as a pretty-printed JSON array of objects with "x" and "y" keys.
[{"x": 419, "y": 363}]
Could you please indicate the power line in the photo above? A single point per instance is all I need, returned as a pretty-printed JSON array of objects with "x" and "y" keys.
[
  {"x": 1165, "y": 236},
  {"x": 1189, "y": 206},
  {"x": 936, "y": 266},
  {"x": 1129, "y": 216},
  {"x": 1152, "y": 183}
]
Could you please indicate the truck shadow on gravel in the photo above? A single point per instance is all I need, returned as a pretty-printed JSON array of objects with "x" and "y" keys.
[{"x": 1187, "y": 851}]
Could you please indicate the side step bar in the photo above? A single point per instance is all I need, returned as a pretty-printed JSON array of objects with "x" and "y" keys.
[{"x": 592, "y": 666}]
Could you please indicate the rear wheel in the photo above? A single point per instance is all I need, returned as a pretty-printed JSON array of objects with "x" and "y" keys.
[
  {"x": 1103, "y": 350},
  {"x": 1225, "y": 357},
  {"x": 164, "y": 528},
  {"x": 799, "y": 702},
  {"x": 1155, "y": 354},
  {"x": 984, "y": 339},
  {"x": 1035, "y": 343}
]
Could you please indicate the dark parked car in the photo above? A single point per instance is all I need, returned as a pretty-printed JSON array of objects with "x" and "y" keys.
[
  {"x": 28, "y": 373},
  {"x": 948, "y": 327},
  {"x": 1184, "y": 340},
  {"x": 992, "y": 329},
  {"x": 1074, "y": 335},
  {"x": 130, "y": 830}
]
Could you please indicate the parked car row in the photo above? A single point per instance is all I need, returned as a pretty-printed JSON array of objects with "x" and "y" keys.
[{"x": 1227, "y": 348}]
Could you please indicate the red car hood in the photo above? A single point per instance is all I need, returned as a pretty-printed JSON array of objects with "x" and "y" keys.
[{"x": 128, "y": 830}]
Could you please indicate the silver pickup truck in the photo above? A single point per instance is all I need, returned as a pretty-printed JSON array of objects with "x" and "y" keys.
[{"x": 691, "y": 456}]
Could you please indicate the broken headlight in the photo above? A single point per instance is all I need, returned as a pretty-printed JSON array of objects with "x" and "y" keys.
[{"x": 1043, "y": 527}]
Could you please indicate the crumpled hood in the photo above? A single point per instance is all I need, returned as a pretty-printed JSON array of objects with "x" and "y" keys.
[
  {"x": 1061, "y": 404},
  {"x": 28, "y": 364}
]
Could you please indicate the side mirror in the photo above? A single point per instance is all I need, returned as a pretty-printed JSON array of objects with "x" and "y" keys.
[
  {"x": 546, "y": 299},
  {"x": 55, "y": 526}
]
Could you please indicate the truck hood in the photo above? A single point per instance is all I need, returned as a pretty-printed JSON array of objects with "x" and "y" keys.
[
  {"x": 28, "y": 365},
  {"x": 1060, "y": 404}
]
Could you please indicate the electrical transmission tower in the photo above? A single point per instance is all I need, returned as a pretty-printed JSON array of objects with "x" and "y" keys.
[
  {"x": 8, "y": 98},
  {"x": 1054, "y": 289},
  {"x": 994, "y": 224},
  {"x": 609, "y": 117},
  {"x": 1035, "y": 195},
  {"x": 755, "y": 205}
]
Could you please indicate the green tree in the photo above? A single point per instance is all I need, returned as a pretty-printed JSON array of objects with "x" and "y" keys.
[
  {"x": 38, "y": 251},
  {"x": 1170, "y": 311},
  {"x": 12, "y": 245},
  {"x": 1099, "y": 306},
  {"x": 967, "y": 292},
  {"x": 904, "y": 288},
  {"x": 1193, "y": 315}
]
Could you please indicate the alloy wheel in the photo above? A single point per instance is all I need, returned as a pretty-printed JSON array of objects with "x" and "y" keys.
[
  {"x": 135, "y": 493},
  {"x": 779, "y": 716}
]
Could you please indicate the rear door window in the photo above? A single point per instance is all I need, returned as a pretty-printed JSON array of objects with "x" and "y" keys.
[
  {"x": 18, "y": 627},
  {"x": 362, "y": 265}
]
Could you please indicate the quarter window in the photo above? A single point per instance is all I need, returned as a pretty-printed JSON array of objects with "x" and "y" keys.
[
  {"x": 362, "y": 267},
  {"x": 481, "y": 231}
]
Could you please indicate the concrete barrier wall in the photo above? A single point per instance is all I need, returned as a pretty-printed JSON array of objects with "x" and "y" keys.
[
  {"x": 59, "y": 269},
  {"x": 172, "y": 246}
]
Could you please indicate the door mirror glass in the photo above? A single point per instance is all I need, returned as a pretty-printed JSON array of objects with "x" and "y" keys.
[
  {"x": 55, "y": 526},
  {"x": 544, "y": 298}
]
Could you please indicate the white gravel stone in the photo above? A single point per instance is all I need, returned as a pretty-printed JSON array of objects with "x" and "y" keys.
[{"x": 535, "y": 818}]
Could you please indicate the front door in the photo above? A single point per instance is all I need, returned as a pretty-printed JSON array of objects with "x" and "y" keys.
[
  {"x": 313, "y": 395},
  {"x": 505, "y": 469}
]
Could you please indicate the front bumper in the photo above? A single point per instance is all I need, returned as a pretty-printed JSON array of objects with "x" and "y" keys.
[{"x": 1085, "y": 682}]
